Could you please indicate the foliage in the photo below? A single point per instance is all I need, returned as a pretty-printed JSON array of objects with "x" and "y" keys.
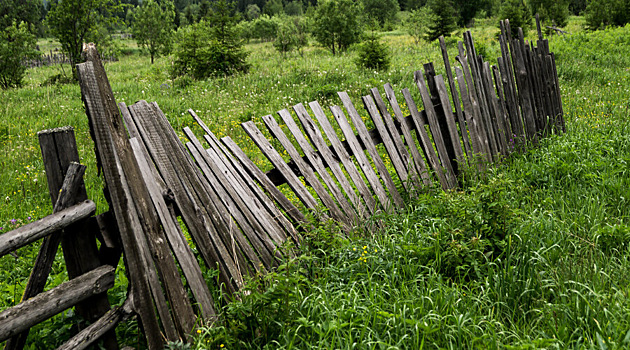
[
  {"x": 372, "y": 54},
  {"x": 552, "y": 12},
  {"x": 418, "y": 21},
  {"x": 291, "y": 34},
  {"x": 443, "y": 19},
  {"x": 73, "y": 22},
  {"x": 264, "y": 28},
  {"x": 517, "y": 12},
  {"x": 576, "y": 7},
  {"x": 252, "y": 12},
  {"x": 210, "y": 48},
  {"x": 153, "y": 26},
  {"x": 468, "y": 9},
  {"x": 273, "y": 8},
  {"x": 294, "y": 8},
  {"x": 20, "y": 11},
  {"x": 381, "y": 11},
  {"x": 336, "y": 24},
  {"x": 16, "y": 44},
  {"x": 602, "y": 13}
]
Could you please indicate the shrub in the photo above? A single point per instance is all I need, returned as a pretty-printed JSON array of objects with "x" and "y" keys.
[
  {"x": 264, "y": 28},
  {"x": 443, "y": 21},
  {"x": 201, "y": 55},
  {"x": 373, "y": 54},
  {"x": 418, "y": 22},
  {"x": 602, "y": 13},
  {"x": 517, "y": 12},
  {"x": 16, "y": 44},
  {"x": 210, "y": 48}
]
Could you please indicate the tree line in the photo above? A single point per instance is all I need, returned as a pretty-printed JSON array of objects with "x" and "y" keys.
[{"x": 209, "y": 34}]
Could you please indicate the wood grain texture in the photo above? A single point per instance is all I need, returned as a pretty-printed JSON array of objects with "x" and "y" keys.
[
  {"x": 370, "y": 146},
  {"x": 45, "y": 305}
]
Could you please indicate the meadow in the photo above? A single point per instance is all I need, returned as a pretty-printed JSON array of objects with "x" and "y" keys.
[{"x": 535, "y": 255}]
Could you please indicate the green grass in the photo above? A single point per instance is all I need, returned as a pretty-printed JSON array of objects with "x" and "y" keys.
[{"x": 534, "y": 256}]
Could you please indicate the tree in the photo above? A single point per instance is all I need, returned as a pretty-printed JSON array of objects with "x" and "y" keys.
[
  {"x": 273, "y": 8},
  {"x": 73, "y": 21},
  {"x": 210, "y": 48},
  {"x": 381, "y": 11},
  {"x": 16, "y": 43},
  {"x": 336, "y": 24},
  {"x": 468, "y": 9},
  {"x": 252, "y": 12},
  {"x": 603, "y": 13},
  {"x": 444, "y": 19},
  {"x": 517, "y": 12},
  {"x": 417, "y": 24},
  {"x": 294, "y": 8},
  {"x": 554, "y": 12},
  {"x": 372, "y": 54},
  {"x": 290, "y": 34},
  {"x": 153, "y": 26},
  {"x": 18, "y": 11}
]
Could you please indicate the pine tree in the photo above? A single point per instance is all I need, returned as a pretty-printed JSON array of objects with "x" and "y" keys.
[{"x": 444, "y": 19}]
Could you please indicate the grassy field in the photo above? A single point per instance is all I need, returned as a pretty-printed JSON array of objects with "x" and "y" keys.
[{"x": 534, "y": 256}]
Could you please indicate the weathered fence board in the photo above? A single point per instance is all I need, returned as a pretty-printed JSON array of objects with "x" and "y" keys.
[{"x": 45, "y": 305}]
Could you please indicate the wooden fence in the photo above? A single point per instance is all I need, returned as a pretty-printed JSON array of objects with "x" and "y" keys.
[{"x": 238, "y": 218}]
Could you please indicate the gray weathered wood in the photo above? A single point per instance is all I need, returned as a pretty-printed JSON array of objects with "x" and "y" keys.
[
  {"x": 176, "y": 239},
  {"x": 307, "y": 171},
  {"x": 425, "y": 141},
  {"x": 361, "y": 158},
  {"x": 235, "y": 202},
  {"x": 333, "y": 164},
  {"x": 101, "y": 116},
  {"x": 399, "y": 166},
  {"x": 39, "y": 229},
  {"x": 343, "y": 155},
  {"x": 45, "y": 305},
  {"x": 96, "y": 330},
  {"x": 450, "y": 119},
  {"x": 294, "y": 213},
  {"x": 458, "y": 108},
  {"x": 435, "y": 130},
  {"x": 396, "y": 136},
  {"x": 418, "y": 161},
  {"x": 209, "y": 225},
  {"x": 317, "y": 163},
  {"x": 370, "y": 146},
  {"x": 274, "y": 157}
]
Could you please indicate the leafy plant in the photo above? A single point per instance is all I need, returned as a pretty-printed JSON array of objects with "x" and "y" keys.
[
  {"x": 372, "y": 54},
  {"x": 16, "y": 44},
  {"x": 210, "y": 48},
  {"x": 336, "y": 24},
  {"x": 153, "y": 26}
]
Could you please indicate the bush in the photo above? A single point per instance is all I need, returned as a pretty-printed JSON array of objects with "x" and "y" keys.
[
  {"x": 444, "y": 19},
  {"x": 16, "y": 44},
  {"x": 373, "y": 54},
  {"x": 518, "y": 14},
  {"x": 602, "y": 13},
  {"x": 200, "y": 55},
  {"x": 264, "y": 28}
]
